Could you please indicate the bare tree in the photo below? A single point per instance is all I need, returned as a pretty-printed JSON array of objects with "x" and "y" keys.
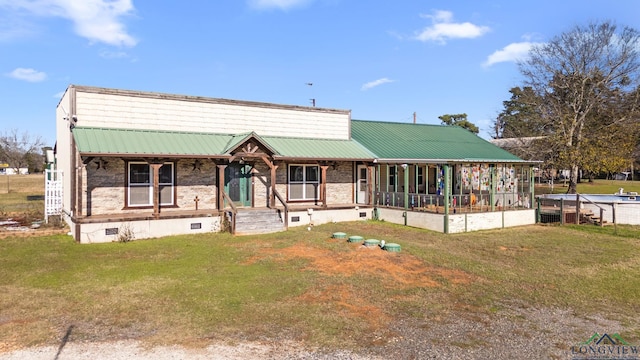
[
  {"x": 21, "y": 150},
  {"x": 579, "y": 74}
]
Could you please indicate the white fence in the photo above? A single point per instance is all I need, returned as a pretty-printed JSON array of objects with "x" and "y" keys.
[{"x": 52, "y": 193}]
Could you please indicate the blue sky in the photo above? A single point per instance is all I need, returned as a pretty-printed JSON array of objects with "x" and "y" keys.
[{"x": 383, "y": 60}]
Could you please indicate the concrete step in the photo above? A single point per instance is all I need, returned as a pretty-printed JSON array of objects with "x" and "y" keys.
[{"x": 258, "y": 221}]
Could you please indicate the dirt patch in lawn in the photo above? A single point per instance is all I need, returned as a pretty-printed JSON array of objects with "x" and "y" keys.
[
  {"x": 394, "y": 270},
  {"x": 21, "y": 225}
]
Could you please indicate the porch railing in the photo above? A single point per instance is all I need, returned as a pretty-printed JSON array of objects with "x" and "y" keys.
[
  {"x": 476, "y": 202},
  {"x": 228, "y": 204},
  {"x": 286, "y": 208}
]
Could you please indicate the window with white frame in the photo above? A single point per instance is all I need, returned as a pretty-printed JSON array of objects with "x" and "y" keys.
[
  {"x": 304, "y": 181},
  {"x": 140, "y": 189}
]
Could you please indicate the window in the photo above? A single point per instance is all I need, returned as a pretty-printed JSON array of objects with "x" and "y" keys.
[
  {"x": 141, "y": 184},
  {"x": 420, "y": 179},
  {"x": 303, "y": 182},
  {"x": 392, "y": 178}
]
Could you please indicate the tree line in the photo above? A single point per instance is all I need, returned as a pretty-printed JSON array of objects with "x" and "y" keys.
[
  {"x": 578, "y": 107},
  {"x": 22, "y": 150}
]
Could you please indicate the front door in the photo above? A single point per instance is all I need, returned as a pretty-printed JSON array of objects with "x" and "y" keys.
[
  {"x": 237, "y": 184},
  {"x": 362, "y": 185}
]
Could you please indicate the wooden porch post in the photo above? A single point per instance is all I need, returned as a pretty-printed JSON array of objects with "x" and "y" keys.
[
  {"x": 426, "y": 178},
  {"x": 447, "y": 194},
  {"x": 492, "y": 188},
  {"x": 416, "y": 186},
  {"x": 220, "y": 197},
  {"x": 272, "y": 200},
  {"x": 370, "y": 184},
  {"x": 378, "y": 179},
  {"x": 323, "y": 184},
  {"x": 79, "y": 173},
  {"x": 156, "y": 189},
  {"x": 405, "y": 174},
  {"x": 272, "y": 196},
  {"x": 532, "y": 186}
]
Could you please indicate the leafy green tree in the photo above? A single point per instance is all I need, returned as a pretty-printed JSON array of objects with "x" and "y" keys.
[
  {"x": 587, "y": 79},
  {"x": 459, "y": 120},
  {"x": 520, "y": 116}
]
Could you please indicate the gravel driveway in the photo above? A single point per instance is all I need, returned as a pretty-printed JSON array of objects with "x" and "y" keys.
[{"x": 514, "y": 332}]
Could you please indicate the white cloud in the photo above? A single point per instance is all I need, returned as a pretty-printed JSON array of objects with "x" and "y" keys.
[
  {"x": 29, "y": 75},
  {"x": 279, "y": 4},
  {"x": 443, "y": 28},
  {"x": 375, "y": 83},
  {"x": 510, "y": 53},
  {"x": 96, "y": 20}
]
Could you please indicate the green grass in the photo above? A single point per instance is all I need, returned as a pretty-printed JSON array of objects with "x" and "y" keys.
[
  {"x": 598, "y": 186},
  {"x": 190, "y": 289},
  {"x": 21, "y": 194}
]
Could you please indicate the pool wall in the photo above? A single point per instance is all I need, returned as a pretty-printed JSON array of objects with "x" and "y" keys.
[{"x": 625, "y": 211}]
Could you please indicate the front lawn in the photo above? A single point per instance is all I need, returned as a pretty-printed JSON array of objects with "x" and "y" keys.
[{"x": 304, "y": 285}]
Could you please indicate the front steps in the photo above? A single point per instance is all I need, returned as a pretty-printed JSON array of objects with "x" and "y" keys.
[
  {"x": 588, "y": 217},
  {"x": 258, "y": 221}
]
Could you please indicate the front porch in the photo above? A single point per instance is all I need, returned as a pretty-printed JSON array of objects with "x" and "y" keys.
[
  {"x": 455, "y": 197},
  {"x": 456, "y": 223}
]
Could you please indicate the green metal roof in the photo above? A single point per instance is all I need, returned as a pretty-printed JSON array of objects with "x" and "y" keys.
[
  {"x": 327, "y": 149},
  {"x": 405, "y": 141},
  {"x": 106, "y": 141},
  {"x": 385, "y": 141}
]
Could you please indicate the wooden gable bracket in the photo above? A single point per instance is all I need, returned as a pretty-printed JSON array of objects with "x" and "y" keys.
[
  {"x": 87, "y": 160},
  {"x": 250, "y": 148}
]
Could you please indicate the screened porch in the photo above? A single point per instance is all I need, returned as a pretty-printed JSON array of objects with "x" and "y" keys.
[{"x": 470, "y": 187}]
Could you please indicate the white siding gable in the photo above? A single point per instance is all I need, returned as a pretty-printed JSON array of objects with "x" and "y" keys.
[{"x": 97, "y": 107}]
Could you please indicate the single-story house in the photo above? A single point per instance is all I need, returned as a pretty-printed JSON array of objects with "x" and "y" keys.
[
  {"x": 5, "y": 169},
  {"x": 143, "y": 164}
]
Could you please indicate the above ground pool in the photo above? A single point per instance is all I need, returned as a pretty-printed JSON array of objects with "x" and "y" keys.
[{"x": 596, "y": 198}]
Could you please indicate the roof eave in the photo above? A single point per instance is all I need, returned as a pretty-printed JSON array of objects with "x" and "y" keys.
[
  {"x": 453, "y": 161},
  {"x": 155, "y": 155},
  {"x": 302, "y": 158}
]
